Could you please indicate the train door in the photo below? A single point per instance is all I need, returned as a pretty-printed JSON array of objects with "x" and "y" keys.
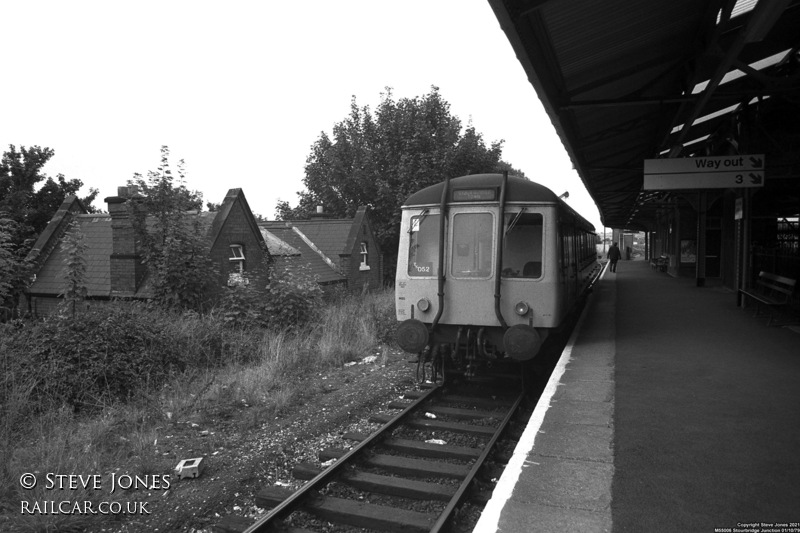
[{"x": 469, "y": 289}]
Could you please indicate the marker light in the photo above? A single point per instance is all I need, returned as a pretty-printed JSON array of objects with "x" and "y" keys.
[
  {"x": 423, "y": 304},
  {"x": 522, "y": 308}
]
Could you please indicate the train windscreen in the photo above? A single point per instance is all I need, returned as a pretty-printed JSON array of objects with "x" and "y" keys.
[
  {"x": 423, "y": 249},
  {"x": 472, "y": 245},
  {"x": 522, "y": 245}
]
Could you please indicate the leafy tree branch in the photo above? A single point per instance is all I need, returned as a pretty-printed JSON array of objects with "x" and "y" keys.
[{"x": 379, "y": 159}]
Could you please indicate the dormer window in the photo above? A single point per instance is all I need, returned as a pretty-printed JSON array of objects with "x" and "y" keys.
[
  {"x": 237, "y": 258},
  {"x": 236, "y": 277},
  {"x": 364, "y": 257}
]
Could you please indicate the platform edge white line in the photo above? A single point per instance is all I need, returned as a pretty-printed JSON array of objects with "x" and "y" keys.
[{"x": 489, "y": 521}]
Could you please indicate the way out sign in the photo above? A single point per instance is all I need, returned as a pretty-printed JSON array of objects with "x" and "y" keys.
[{"x": 732, "y": 171}]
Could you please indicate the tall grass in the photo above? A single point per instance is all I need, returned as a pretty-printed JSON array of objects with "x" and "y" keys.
[{"x": 252, "y": 373}]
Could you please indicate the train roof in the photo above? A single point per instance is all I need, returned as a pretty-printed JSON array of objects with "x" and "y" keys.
[{"x": 518, "y": 190}]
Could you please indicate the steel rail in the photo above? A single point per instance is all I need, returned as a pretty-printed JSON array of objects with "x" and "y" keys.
[
  {"x": 461, "y": 493},
  {"x": 290, "y": 504}
]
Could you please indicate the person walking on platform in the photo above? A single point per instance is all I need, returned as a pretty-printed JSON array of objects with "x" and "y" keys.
[{"x": 613, "y": 256}]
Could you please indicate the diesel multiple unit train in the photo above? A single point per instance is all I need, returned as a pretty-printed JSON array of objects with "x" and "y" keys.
[{"x": 488, "y": 265}]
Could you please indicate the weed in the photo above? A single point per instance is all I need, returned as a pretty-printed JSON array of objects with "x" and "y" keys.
[{"x": 97, "y": 394}]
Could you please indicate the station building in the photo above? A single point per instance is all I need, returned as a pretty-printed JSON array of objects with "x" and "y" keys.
[
  {"x": 682, "y": 119},
  {"x": 670, "y": 409}
]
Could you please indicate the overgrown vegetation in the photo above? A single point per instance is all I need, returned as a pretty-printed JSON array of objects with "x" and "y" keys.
[
  {"x": 28, "y": 200},
  {"x": 74, "y": 289},
  {"x": 377, "y": 159},
  {"x": 14, "y": 269},
  {"x": 173, "y": 239},
  {"x": 91, "y": 395}
]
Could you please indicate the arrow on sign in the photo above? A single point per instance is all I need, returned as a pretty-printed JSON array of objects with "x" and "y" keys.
[
  {"x": 757, "y": 162},
  {"x": 755, "y": 178}
]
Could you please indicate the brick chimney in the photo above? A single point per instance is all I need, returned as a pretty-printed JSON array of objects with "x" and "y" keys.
[{"x": 127, "y": 270}]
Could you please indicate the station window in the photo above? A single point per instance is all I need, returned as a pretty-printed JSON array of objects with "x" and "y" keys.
[
  {"x": 423, "y": 245},
  {"x": 522, "y": 245},
  {"x": 472, "y": 245}
]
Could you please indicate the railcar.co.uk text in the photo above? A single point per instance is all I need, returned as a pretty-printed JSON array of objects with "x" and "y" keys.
[{"x": 91, "y": 482}]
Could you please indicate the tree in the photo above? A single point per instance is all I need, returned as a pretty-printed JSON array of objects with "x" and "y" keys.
[
  {"x": 74, "y": 270},
  {"x": 175, "y": 247},
  {"x": 25, "y": 212},
  {"x": 14, "y": 267},
  {"x": 20, "y": 172},
  {"x": 378, "y": 161}
]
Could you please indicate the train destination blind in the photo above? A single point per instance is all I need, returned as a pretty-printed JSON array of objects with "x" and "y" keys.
[
  {"x": 721, "y": 172},
  {"x": 474, "y": 195}
]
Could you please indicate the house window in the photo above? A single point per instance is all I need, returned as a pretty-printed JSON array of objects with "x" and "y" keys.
[
  {"x": 236, "y": 275},
  {"x": 237, "y": 258},
  {"x": 364, "y": 257}
]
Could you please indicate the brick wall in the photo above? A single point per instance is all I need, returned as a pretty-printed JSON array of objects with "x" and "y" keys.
[
  {"x": 127, "y": 270},
  {"x": 237, "y": 230},
  {"x": 357, "y": 279}
]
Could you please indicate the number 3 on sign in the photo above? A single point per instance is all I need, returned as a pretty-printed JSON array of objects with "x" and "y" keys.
[{"x": 739, "y": 178}]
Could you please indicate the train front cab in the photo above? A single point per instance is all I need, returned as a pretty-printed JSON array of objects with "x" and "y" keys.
[
  {"x": 529, "y": 290},
  {"x": 546, "y": 255}
]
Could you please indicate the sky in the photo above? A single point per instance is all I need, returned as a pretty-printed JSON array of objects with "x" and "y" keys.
[{"x": 240, "y": 90}]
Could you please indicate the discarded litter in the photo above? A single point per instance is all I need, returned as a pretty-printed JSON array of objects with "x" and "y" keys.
[
  {"x": 430, "y": 415},
  {"x": 436, "y": 441},
  {"x": 190, "y": 468}
]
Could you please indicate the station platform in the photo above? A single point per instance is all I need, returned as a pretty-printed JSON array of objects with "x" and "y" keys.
[{"x": 671, "y": 409}]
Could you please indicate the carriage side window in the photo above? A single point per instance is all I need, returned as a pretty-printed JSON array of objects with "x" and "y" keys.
[
  {"x": 423, "y": 246},
  {"x": 472, "y": 245},
  {"x": 522, "y": 245}
]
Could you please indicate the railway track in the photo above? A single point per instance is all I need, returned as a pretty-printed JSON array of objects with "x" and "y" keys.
[{"x": 436, "y": 449}]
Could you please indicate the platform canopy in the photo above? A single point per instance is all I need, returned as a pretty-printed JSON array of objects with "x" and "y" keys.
[{"x": 629, "y": 80}]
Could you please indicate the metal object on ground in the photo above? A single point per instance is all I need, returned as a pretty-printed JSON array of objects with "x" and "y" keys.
[{"x": 190, "y": 468}]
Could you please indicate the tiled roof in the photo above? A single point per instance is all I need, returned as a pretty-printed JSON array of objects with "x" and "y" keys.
[
  {"x": 276, "y": 246},
  {"x": 329, "y": 235},
  {"x": 96, "y": 230},
  {"x": 319, "y": 268}
]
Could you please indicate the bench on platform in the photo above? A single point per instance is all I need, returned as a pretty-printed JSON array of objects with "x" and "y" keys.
[
  {"x": 660, "y": 263},
  {"x": 771, "y": 291}
]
